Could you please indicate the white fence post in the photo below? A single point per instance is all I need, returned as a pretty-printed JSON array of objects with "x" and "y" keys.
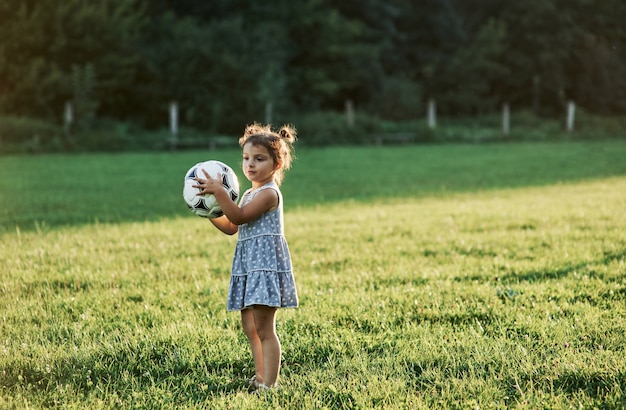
[
  {"x": 174, "y": 119},
  {"x": 571, "y": 112},
  {"x": 432, "y": 114},
  {"x": 68, "y": 116},
  {"x": 506, "y": 119},
  {"x": 173, "y": 142},
  {"x": 269, "y": 108},
  {"x": 68, "y": 120},
  {"x": 349, "y": 113}
]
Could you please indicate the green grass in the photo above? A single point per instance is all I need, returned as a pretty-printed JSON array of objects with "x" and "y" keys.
[
  {"x": 435, "y": 277},
  {"x": 55, "y": 190}
]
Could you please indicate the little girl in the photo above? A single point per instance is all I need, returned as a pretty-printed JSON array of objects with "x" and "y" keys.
[{"x": 262, "y": 279}]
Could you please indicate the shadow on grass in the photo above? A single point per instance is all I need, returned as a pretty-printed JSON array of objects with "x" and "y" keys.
[
  {"x": 557, "y": 273},
  {"x": 133, "y": 371},
  {"x": 131, "y": 187},
  {"x": 602, "y": 386}
]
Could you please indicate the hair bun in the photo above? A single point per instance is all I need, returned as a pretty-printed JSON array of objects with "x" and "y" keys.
[{"x": 288, "y": 132}]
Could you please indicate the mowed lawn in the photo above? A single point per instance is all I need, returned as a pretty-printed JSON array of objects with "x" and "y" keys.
[{"x": 459, "y": 276}]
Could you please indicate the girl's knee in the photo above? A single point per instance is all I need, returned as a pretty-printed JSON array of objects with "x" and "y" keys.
[
  {"x": 248, "y": 329},
  {"x": 247, "y": 323},
  {"x": 265, "y": 322},
  {"x": 266, "y": 334}
]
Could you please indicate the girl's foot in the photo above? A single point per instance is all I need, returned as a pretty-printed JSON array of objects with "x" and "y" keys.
[
  {"x": 254, "y": 382},
  {"x": 262, "y": 388}
]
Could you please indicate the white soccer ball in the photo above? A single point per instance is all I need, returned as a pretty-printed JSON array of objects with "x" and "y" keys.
[{"x": 206, "y": 205}]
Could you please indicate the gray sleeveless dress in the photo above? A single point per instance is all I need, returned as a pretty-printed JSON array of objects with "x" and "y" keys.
[{"x": 261, "y": 271}]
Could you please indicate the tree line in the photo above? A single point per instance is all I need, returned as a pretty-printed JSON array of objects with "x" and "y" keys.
[{"x": 223, "y": 61}]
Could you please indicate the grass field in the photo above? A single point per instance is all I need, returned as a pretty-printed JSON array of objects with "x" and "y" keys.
[{"x": 453, "y": 276}]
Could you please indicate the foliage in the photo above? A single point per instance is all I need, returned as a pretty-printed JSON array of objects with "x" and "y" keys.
[
  {"x": 26, "y": 134},
  {"x": 331, "y": 128},
  {"x": 22, "y": 135},
  {"x": 45, "y": 42},
  {"x": 399, "y": 99},
  {"x": 560, "y": 67},
  {"x": 224, "y": 61},
  {"x": 83, "y": 105},
  {"x": 445, "y": 277},
  {"x": 467, "y": 81}
]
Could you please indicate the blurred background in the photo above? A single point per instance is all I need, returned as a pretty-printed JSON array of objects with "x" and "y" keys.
[{"x": 163, "y": 74}]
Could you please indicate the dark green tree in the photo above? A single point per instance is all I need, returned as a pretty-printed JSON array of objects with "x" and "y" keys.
[
  {"x": 224, "y": 61},
  {"x": 468, "y": 81},
  {"x": 596, "y": 64},
  {"x": 45, "y": 40}
]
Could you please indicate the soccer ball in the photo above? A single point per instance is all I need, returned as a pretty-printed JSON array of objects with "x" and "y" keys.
[{"x": 206, "y": 205}]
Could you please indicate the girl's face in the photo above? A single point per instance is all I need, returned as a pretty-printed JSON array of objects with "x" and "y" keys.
[{"x": 258, "y": 165}]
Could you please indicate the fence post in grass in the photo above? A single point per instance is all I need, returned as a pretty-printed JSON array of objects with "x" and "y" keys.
[
  {"x": 349, "y": 113},
  {"x": 174, "y": 124},
  {"x": 506, "y": 119},
  {"x": 571, "y": 112},
  {"x": 269, "y": 108},
  {"x": 432, "y": 114},
  {"x": 68, "y": 119}
]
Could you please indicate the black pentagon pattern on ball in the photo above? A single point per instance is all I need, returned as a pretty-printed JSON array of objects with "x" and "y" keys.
[
  {"x": 225, "y": 181},
  {"x": 201, "y": 205},
  {"x": 229, "y": 181},
  {"x": 192, "y": 174}
]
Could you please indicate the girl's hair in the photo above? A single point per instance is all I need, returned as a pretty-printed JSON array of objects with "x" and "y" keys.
[{"x": 279, "y": 144}]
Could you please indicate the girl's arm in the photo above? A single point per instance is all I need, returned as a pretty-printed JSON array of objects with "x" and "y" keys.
[
  {"x": 225, "y": 225},
  {"x": 264, "y": 201}
]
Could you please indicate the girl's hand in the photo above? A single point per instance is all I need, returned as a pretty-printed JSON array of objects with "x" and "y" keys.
[
  {"x": 264, "y": 201},
  {"x": 208, "y": 185}
]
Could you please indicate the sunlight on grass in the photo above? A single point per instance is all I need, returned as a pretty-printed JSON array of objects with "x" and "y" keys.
[
  {"x": 47, "y": 191},
  {"x": 505, "y": 298}
]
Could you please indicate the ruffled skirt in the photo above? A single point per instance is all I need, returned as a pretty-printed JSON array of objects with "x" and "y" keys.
[{"x": 262, "y": 274}]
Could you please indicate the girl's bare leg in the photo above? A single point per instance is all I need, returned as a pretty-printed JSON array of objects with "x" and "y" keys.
[
  {"x": 249, "y": 328},
  {"x": 265, "y": 322}
]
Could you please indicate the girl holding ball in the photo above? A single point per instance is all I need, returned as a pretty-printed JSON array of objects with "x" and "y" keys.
[{"x": 262, "y": 278}]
